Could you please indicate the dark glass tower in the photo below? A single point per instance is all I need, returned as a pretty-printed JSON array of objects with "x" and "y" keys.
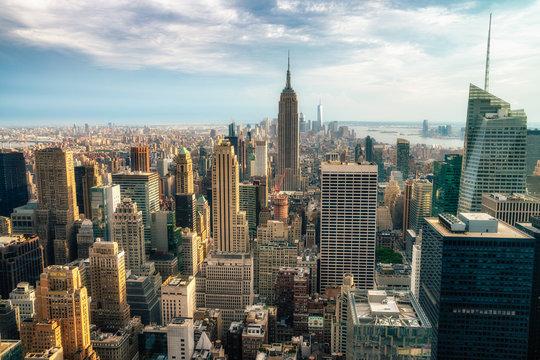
[
  {"x": 288, "y": 138},
  {"x": 369, "y": 148},
  {"x": 476, "y": 281},
  {"x": 403, "y": 157},
  {"x": 446, "y": 177},
  {"x": 13, "y": 186}
]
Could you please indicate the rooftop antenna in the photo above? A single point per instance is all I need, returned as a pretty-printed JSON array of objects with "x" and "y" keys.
[{"x": 486, "y": 81}]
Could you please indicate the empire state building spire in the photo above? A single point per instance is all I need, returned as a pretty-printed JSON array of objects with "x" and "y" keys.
[{"x": 288, "y": 85}]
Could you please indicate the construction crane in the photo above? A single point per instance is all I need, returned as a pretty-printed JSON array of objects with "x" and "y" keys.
[{"x": 276, "y": 188}]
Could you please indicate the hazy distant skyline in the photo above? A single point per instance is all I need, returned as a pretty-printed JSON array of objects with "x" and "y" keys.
[{"x": 165, "y": 62}]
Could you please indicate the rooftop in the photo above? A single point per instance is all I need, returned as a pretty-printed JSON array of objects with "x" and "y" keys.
[
  {"x": 178, "y": 280},
  {"x": 504, "y": 231}
]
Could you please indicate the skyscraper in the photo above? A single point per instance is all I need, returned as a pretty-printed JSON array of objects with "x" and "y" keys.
[
  {"x": 320, "y": 115},
  {"x": 62, "y": 297},
  {"x": 13, "y": 186},
  {"x": 184, "y": 172},
  {"x": 476, "y": 280},
  {"x": 128, "y": 231},
  {"x": 420, "y": 205},
  {"x": 288, "y": 161},
  {"x": 86, "y": 177},
  {"x": 261, "y": 158},
  {"x": 425, "y": 129},
  {"x": 403, "y": 157},
  {"x": 230, "y": 227},
  {"x": 369, "y": 149},
  {"x": 495, "y": 150},
  {"x": 446, "y": 177},
  {"x": 109, "y": 306},
  {"x": 57, "y": 204},
  {"x": 104, "y": 199},
  {"x": 140, "y": 160},
  {"x": 348, "y": 223}
]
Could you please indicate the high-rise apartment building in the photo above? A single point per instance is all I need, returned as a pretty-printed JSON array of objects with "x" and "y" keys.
[
  {"x": 446, "y": 178},
  {"x": 21, "y": 260},
  {"x": 177, "y": 298},
  {"x": 61, "y": 297},
  {"x": 128, "y": 231},
  {"x": 184, "y": 172},
  {"x": 261, "y": 158},
  {"x": 143, "y": 189},
  {"x": 476, "y": 281},
  {"x": 494, "y": 157},
  {"x": 288, "y": 160},
  {"x": 348, "y": 223},
  {"x": 140, "y": 159},
  {"x": 109, "y": 306},
  {"x": 104, "y": 199},
  {"x": 13, "y": 185},
  {"x": 230, "y": 227},
  {"x": 57, "y": 204},
  {"x": 402, "y": 155},
  {"x": 420, "y": 205},
  {"x": 511, "y": 208},
  {"x": 226, "y": 282}
]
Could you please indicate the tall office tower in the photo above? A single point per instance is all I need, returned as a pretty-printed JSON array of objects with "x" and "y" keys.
[
  {"x": 24, "y": 297},
  {"x": 203, "y": 211},
  {"x": 420, "y": 205},
  {"x": 415, "y": 269},
  {"x": 320, "y": 115},
  {"x": 177, "y": 298},
  {"x": 261, "y": 158},
  {"x": 104, "y": 199},
  {"x": 446, "y": 177},
  {"x": 143, "y": 189},
  {"x": 369, "y": 149},
  {"x": 303, "y": 123},
  {"x": 229, "y": 223},
  {"x": 128, "y": 231},
  {"x": 405, "y": 332},
  {"x": 476, "y": 273},
  {"x": 407, "y": 195},
  {"x": 39, "y": 336},
  {"x": 348, "y": 223},
  {"x": 86, "y": 177},
  {"x": 533, "y": 228},
  {"x": 511, "y": 208},
  {"x": 203, "y": 161},
  {"x": 533, "y": 150},
  {"x": 21, "y": 260},
  {"x": 109, "y": 306},
  {"x": 495, "y": 150},
  {"x": 61, "y": 297},
  {"x": 425, "y": 129},
  {"x": 288, "y": 161},
  {"x": 143, "y": 299},
  {"x": 339, "y": 322},
  {"x": 184, "y": 172},
  {"x": 9, "y": 320},
  {"x": 13, "y": 185},
  {"x": 402, "y": 150},
  {"x": 140, "y": 159},
  {"x": 57, "y": 204},
  {"x": 180, "y": 342},
  {"x": 248, "y": 203},
  {"x": 186, "y": 211},
  {"x": 358, "y": 154},
  {"x": 226, "y": 282},
  {"x": 85, "y": 239},
  {"x": 378, "y": 159},
  {"x": 191, "y": 242}
]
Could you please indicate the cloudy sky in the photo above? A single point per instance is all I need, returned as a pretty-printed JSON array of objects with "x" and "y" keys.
[{"x": 205, "y": 61}]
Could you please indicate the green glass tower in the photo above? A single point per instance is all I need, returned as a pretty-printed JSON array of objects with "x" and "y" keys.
[
  {"x": 403, "y": 146},
  {"x": 495, "y": 150},
  {"x": 446, "y": 177}
]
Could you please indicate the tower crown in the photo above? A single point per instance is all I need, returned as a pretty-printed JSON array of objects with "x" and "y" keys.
[{"x": 288, "y": 87}]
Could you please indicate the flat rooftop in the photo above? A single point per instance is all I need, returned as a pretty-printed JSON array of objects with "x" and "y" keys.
[{"x": 504, "y": 231}]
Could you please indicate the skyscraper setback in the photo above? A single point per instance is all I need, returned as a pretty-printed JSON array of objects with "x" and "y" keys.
[{"x": 288, "y": 138}]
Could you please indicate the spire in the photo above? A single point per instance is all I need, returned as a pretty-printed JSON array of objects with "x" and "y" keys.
[
  {"x": 486, "y": 81},
  {"x": 288, "y": 85}
]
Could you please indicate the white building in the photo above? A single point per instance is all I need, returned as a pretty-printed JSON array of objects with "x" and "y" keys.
[
  {"x": 24, "y": 297},
  {"x": 180, "y": 339},
  {"x": 177, "y": 298},
  {"x": 415, "y": 269},
  {"x": 348, "y": 223},
  {"x": 261, "y": 158}
]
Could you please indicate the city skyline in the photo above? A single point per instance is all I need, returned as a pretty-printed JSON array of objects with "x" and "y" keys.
[{"x": 165, "y": 66}]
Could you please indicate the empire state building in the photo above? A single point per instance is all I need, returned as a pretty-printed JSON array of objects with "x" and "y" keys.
[{"x": 288, "y": 138}]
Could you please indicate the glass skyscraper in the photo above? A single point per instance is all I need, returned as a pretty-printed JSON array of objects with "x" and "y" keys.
[
  {"x": 495, "y": 149},
  {"x": 13, "y": 187},
  {"x": 402, "y": 163},
  {"x": 446, "y": 177}
]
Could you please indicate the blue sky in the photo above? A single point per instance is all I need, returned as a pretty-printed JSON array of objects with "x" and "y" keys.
[{"x": 180, "y": 62}]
